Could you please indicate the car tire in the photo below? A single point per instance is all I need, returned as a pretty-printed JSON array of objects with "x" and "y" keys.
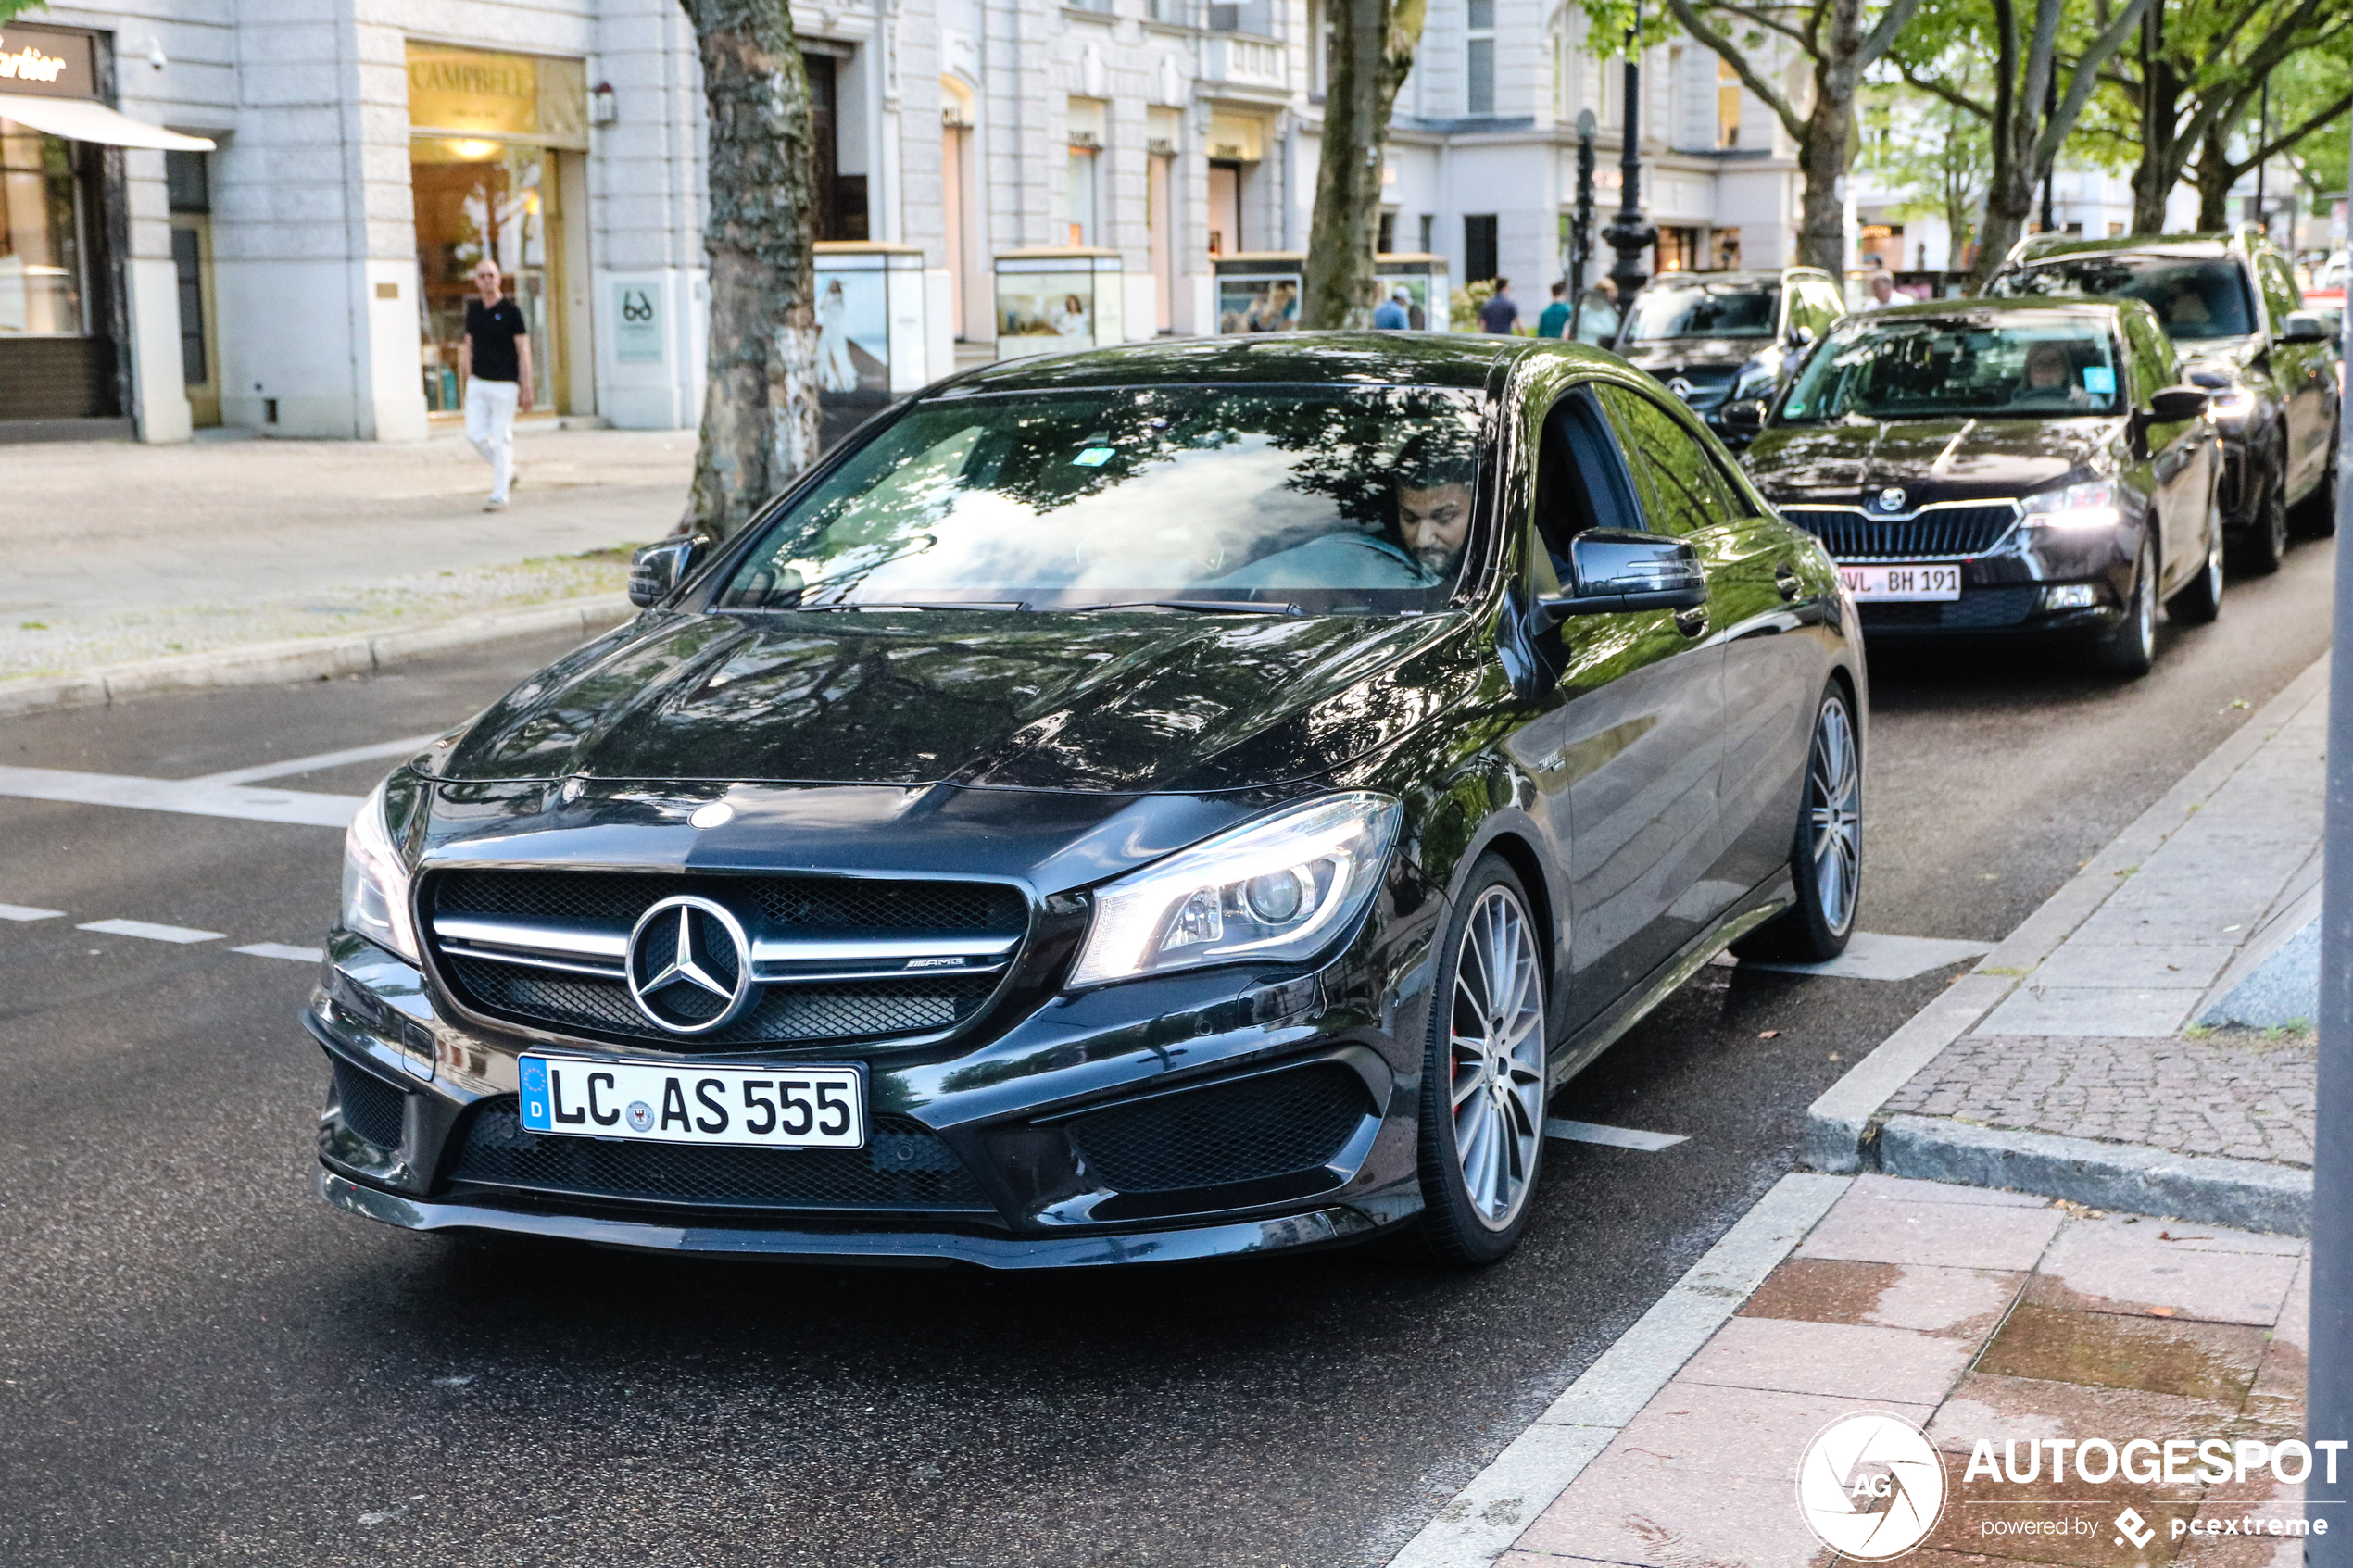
[
  {"x": 1485, "y": 1078},
  {"x": 2131, "y": 648},
  {"x": 1826, "y": 859},
  {"x": 2201, "y": 601},
  {"x": 2263, "y": 545},
  {"x": 2315, "y": 516}
]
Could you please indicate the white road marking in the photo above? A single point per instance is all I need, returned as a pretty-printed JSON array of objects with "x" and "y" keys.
[
  {"x": 1872, "y": 956},
  {"x": 1617, "y": 1137},
  {"x": 281, "y": 950},
  {"x": 324, "y": 760},
  {"x": 200, "y": 797},
  {"x": 26, "y": 911},
  {"x": 151, "y": 931}
]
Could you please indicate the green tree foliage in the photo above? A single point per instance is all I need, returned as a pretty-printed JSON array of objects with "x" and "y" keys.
[
  {"x": 11, "y": 8},
  {"x": 1840, "y": 39},
  {"x": 1935, "y": 152}
]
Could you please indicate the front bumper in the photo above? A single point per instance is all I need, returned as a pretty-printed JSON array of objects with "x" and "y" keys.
[{"x": 1013, "y": 1141}]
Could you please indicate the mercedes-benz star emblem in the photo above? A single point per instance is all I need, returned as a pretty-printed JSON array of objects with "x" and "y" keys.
[
  {"x": 689, "y": 966},
  {"x": 1892, "y": 499},
  {"x": 1681, "y": 388}
]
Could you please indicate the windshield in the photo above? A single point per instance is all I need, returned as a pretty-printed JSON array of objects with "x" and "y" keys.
[
  {"x": 1937, "y": 369},
  {"x": 2194, "y": 299},
  {"x": 1321, "y": 498},
  {"x": 1703, "y": 310}
]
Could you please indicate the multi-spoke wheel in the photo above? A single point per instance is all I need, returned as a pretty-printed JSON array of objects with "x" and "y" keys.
[
  {"x": 1483, "y": 1097},
  {"x": 2132, "y": 647},
  {"x": 1826, "y": 862}
]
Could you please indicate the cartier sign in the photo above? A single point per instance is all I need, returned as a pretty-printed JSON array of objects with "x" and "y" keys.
[{"x": 48, "y": 62}]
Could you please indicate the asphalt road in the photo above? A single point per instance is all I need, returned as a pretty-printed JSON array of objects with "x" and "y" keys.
[{"x": 201, "y": 1364}]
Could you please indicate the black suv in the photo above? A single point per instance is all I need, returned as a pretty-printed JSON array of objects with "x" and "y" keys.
[
  {"x": 2231, "y": 303},
  {"x": 1724, "y": 339}
]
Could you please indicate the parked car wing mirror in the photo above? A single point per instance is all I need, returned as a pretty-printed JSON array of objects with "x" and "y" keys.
[
  {"x": 1801, "y": 336},
  {"x": 1747, "y": 416},
  {"x": 2303, "y": 326},
  {"x": 2171, "y": 403},
  {"x": 657, "y": 568},
  {"x": 1614, "y": 569}
]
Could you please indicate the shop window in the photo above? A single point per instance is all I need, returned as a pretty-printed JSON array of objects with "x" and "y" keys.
[
  {"x": 1225, "y": 208},
  {"x": 1084, "y": 228},
  {"x": 1727, "y": 105},
  {"x": 1678, "y": 249},
  {"x": 41, "y": 199}
]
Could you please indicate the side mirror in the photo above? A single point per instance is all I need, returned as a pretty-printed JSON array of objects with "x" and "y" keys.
[
  {"x": 656, "y": 570},
  {"x": 2168, "y": 404},
  {"x": 2303, "y": 326},
  {"x": 1625, "y": 568},
  {"x": 1745, "y": 417},
  {"x": 1801, "y": 336}
]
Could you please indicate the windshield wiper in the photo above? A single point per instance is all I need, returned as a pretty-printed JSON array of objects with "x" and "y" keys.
[
  {"x": 1206, "y": 606},
  {"x": 935, "y": 604}
]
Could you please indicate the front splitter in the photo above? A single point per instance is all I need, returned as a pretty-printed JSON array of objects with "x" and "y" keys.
[{"x": 1323, "y": 1227}]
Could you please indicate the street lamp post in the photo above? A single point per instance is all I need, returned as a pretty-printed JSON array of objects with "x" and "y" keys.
[
  {"x": 1628, "y": 234},
  {"x": 1582, "y": 235}
]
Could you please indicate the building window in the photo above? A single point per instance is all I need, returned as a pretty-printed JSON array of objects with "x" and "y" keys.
[
  {"x": 1478, "y": 247},
  {"x": 1224, "y": 208},
  {"x": 841, "y": 198},
  {"x": 1676, "y": 135},
  {"x": 41, "y": 291},
  {"x": 1083, "y": 228},
  {"x": 1429, "y": 231},
  {"x": 1678, "y": 249},
  {"x": 1479, "y": 58},
  {"x": 1386, "y": 241},
  {"x": 1727, "y": 105}
]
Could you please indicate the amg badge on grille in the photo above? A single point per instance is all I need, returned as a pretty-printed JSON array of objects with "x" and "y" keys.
[{"x": 690, "y": 965}]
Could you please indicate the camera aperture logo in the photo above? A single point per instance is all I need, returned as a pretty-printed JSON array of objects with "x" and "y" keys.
[{"x": 1871, "y": 1486}]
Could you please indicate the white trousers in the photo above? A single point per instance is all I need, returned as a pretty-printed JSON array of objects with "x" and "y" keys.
[{"x": 490, "y": 425}]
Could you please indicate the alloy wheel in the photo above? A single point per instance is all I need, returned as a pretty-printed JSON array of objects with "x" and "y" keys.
[
  {"x": 1495, "y": 1093},
  {"x": 1834, "y": 806}
]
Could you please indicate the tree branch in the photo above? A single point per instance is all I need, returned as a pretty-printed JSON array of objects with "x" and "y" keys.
[
  {"x": 1882, "y": 38},
  {"x": 1939, "y": 89},
  {"x": 2282, "y": 142},
  {"x": 1758, "y": 19},
  {"x": 1687, "y": 17},
  {"x": 2079, "y": 91}
]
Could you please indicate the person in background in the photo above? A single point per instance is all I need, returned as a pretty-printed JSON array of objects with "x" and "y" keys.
[
  {"x": 1500, "y": 314},
  {"x": 1882, "y": 292},
  {"x": 1596, "y": 320},
  {"x": 1391, "y": 314},
  {"x": 1553, "y": 322},
  {"x": 494, "y": 360}
]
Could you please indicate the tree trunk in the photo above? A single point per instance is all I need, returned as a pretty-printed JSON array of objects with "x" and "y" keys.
[
  {"x": 759, "y": 400},
  {"x": 2161, "y": 152},
  {"x": 1373, "y": 45},
  {"x": 2212, "y": 176},
  {"x": 1821, "y": 158}
]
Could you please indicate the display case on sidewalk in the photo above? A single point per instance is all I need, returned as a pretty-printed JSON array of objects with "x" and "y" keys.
[
  {"x": 1258, "y": 291},
  {"x": 872, "y": 339},
  {"x": 1430, "y": 305},
  {"x": 1055, "y": 299}
]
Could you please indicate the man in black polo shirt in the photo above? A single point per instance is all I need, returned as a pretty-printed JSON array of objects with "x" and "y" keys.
[{"x": 495, "y": 359}]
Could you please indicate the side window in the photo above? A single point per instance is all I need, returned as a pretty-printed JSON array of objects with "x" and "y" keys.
[
  {"x": 1681, "y": 491},
  {"x": 1582, "y": 481},
  {"x": 2279, "y": 291},
  {"x": 1826, "y": 307},
  {"x": 2150, "y": 354}
]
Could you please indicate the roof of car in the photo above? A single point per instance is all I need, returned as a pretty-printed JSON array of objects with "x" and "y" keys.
[
  {"x": 1764, "y": 278},
  {"x": 1975, "y": 308},
  {"x": 2185, "y": 246},
  {"x": 1365, "y": 359}
]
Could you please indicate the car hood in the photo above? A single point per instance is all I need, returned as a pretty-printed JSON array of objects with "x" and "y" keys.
[
  {"x": 1697, "y": 351},
  {"x": 2231, "y": 355},
  {"x": 1113, "y": 703},
  {"x": 1933, "y": 460}
]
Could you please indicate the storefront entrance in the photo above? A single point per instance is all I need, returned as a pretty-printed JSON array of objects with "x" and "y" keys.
[{"x": 487, "y": 137}]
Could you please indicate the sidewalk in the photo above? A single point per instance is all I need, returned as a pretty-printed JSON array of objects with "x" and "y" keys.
[
  {"x": 1977, "y": 1317},
  {"x": 119, "y": 552},
  {"x": 2090, "y": 1056}
]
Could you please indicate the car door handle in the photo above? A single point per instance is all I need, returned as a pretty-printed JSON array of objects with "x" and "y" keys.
[
  {"x": 1785, "y": 579},
  {"x": 1691, "y": 621}
]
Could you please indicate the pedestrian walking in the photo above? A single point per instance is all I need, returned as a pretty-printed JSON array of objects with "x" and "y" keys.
[
  {"x": 1500, "y": 314},
  {"x": 1392, "y": 316},
  {"x": 1553, "y": 322},
  {"x": 495, "y": 358}
]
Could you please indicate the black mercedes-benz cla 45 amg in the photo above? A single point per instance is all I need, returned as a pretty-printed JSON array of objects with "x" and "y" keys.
[{"x": 1170, "y": 802}]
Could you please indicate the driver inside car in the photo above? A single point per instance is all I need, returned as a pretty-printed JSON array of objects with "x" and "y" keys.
[
  {"x": 2050, "y": 382},
  {"x": 1431, "y": 494}
]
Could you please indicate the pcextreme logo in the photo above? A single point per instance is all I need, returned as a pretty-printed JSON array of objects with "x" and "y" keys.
[{"x": 1870, "y": 1485}]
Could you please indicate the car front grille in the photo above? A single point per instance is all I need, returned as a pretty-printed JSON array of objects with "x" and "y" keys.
[
  {"x": 903, "y": 1166},
  {"x": 547, "y": 948},
  {"x": 1935, "y": 533},
  {"x": 1977, "y": 609},
  {"x": 371, "y": 1107},
  {"x": 1710, "y": 384},
  {"x": 1275, "y": 1124}
]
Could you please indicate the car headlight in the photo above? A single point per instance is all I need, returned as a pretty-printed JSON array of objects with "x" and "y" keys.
[
  {"x": 1756, "y": 381},
  {"x": 2090, "y": 505},
  {"x": 1275, "y": 890},
  {"x": 375, "y": 882},
  {"x": 2230, "y": 403}
]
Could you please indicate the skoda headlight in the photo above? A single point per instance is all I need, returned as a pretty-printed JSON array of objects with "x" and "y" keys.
[
  {"x": 2089, "y": 505},
  {"x": 1755, "y": 383},
  {"x": 375, "y": 882},
  {"x": 1275, "y": 890}
]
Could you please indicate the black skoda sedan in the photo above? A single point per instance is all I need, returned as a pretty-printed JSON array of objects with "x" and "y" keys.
[
  {"x": 2006, "y": 467},
  {"x": 1155, "y": 803}
]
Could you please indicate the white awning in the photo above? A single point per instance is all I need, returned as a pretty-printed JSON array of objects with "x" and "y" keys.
[{"x": 82, "y": 119}]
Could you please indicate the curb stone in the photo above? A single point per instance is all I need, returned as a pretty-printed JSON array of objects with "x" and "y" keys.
[
  {"x": 2240, "y": 1194},
  {"x": 1841, "y": 1130},
  {"x": 307, "y": 659}
]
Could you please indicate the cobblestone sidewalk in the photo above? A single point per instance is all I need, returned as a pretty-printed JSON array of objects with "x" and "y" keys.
[{"x": 1981, "y": 1317}]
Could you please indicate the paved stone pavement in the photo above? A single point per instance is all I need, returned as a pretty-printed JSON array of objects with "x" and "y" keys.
[
  {"x": 1977, "y": 1317},
  {"x": 118, "y": 551},
  {"x": 2241, "y": 1095}
]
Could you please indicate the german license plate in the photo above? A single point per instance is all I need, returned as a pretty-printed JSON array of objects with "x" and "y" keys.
[
  {"x": 1902, "y": 582},
  {"x": 663, "y": 1102}
]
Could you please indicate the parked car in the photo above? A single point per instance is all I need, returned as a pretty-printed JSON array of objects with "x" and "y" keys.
[
  {"x": 1722, "y": 339},
  {"x": 2013, "y": 467},
  {"x": 1175, "y": 801},
  {"x": 2230, "y": 302}
]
